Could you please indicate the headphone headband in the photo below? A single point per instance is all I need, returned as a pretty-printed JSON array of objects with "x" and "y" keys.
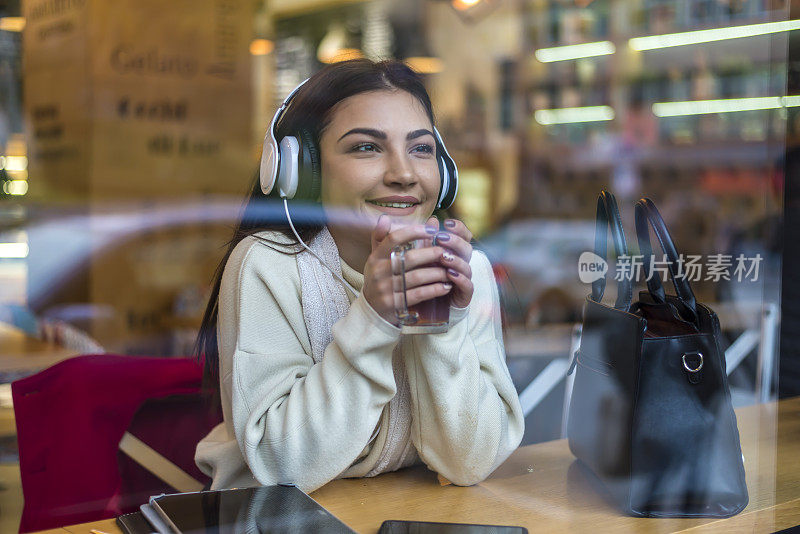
[{"x": 270, "y": 153}]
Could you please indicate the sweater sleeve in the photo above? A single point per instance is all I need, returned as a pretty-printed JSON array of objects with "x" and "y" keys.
[
  {"x": 467, "y": 415},
  {"x": 297, "y": 421}
]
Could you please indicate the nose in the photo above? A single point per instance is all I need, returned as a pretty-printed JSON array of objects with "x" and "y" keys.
[{"x": 400, "y": 171}]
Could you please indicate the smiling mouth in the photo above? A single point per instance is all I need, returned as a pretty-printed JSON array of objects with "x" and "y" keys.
[{"x": 392, "y": 204}]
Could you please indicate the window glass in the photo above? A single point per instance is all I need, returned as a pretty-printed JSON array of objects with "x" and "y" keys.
[{"x": 131, "y": 134}]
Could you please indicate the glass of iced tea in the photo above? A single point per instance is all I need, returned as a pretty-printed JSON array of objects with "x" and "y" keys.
[{"x": 428, "y": 317}]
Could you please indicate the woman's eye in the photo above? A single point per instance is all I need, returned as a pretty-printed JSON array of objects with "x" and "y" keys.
[
  {"x": 424, "y": 149},
  {"x": 364, "y": 147}
]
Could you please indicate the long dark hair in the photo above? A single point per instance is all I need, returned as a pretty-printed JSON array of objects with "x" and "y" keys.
[{"x": 311, "y": 110}]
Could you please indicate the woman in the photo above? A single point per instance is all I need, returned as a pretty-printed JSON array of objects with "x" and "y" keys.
[{"x": 317, "y": 383}]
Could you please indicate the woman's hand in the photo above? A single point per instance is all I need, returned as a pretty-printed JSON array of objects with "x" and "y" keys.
[
  {"x": 426, "y": 269},
  {"x": 456, "y": 239}
]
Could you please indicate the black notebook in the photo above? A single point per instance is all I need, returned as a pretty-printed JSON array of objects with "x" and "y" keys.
[{"x": 274, "y": 509}]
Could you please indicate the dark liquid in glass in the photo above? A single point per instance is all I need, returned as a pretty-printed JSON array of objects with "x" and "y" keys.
[
  {"x": 432, "y": 312},
  {"x": 428, "y": 317}
]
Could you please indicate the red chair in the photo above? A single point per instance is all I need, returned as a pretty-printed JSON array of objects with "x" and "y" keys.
[{"x": 74, "y": 418}]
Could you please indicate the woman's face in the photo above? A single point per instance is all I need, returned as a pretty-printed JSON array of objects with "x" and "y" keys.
[{"x": 379, "y": 157}]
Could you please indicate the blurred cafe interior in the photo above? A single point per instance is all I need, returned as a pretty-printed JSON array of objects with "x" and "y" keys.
[{"x": 130, "y": 132}]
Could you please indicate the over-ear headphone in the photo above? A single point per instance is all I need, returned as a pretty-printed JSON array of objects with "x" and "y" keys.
[{"x": 294, "y": 163}]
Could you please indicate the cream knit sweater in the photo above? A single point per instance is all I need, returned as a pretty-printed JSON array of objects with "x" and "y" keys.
[{"x": 287, "y": 419}]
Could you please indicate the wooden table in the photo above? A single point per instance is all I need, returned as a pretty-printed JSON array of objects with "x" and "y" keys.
[
  {"x": 542, "y": 488},
  {"x": 8, "y": 424}
]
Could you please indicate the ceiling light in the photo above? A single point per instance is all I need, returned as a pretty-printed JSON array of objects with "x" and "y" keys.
[
  {"x": 563, "y": 53},
  {"x": 261, "y": 47},
  {"x": 17, "y": 187},
  {"x": 653, "y": 42},
  {"x": 13, "y": 250},
  {"x": 728, "y": 105},
  {"x": 14, "y": 163},
  {"x": 338, "y": 45},
  {"x": 571, "y": 115},
  {"x": 474, "y": 10},
  {"x": 12, "y": 24},
  {"x": 425, "y": 64},
  {"x": 343, "y": 54},
  {"x": 462, "y": 5}
]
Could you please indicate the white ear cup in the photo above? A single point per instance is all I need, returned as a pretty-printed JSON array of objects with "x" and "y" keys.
[
  {"x": 288, "y": 174},
  {"x": 270, "y": 159},
  {"x": 270, "y": 153}
]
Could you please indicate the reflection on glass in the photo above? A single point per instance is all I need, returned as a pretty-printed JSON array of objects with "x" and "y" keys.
[{"x": 126, "y": 146}]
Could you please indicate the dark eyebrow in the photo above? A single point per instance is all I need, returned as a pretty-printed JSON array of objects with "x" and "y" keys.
[
  {"x": 366, "y": 131},
  {"x": 382, "y": 135},
  {"x": 418, "y": 133}
]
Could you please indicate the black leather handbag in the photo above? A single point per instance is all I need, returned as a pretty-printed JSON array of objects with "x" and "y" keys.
[{"x": 651, "y": 413}]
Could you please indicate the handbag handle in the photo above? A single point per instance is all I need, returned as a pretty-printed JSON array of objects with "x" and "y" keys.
[
  {"x": 608, "y": 219},
  {"x": 647, "y": 214}
]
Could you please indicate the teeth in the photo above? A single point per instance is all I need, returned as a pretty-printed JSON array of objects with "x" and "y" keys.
[{"x": 392, "y": 204}]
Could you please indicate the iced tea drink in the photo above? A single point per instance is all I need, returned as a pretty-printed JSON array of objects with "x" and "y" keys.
[{"x": 428, "y": 317}]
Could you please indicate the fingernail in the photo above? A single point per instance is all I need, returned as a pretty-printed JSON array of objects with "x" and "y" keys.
[
  {"x": 450, "y": 223},
  {"x": 443, "y": 236},
  {"x": 453, "y": 273},
  {"x": 448, "y": 256},
  {"x": 447, "y": 285},
  {"x": 431, "y": 230}
]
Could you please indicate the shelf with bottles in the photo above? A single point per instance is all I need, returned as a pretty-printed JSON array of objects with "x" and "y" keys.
[
  {"x": 554, "y": 96},
  {"x": 721, "y": 180},
  {"x": 733, "y": 79},
  {"x": 559, "y": 23},
  {"x": 579, "y": 150},
  {"x": 744, "y": 135},
  {"x": 667, "y": 16},
  {"x": 555, "y": 23},
  {"x": 573, "y": 136},
  {"x": 737, "y": 72},
  {"x": 581, "y": 71},
  {"x": 741, "y": 128},
  {"x": 649, "y": 88},
  {"x": 633, "y": 106}
]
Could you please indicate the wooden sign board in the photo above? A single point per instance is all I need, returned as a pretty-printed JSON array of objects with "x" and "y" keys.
[
  {"x": 138, "y": 98},
  {"x": 138, "y": 102}
]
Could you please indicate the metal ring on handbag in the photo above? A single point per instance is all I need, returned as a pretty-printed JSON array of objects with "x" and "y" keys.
[{"x": 686, "y": 365}]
